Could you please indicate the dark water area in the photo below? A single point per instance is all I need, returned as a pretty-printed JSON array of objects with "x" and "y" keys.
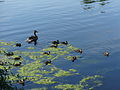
[{"x": 92, "y": 26}]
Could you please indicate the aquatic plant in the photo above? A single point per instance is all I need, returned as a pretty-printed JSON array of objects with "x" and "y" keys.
[
  {"x": 87, "y": 83},
  {"x": 31, "y": 66}
]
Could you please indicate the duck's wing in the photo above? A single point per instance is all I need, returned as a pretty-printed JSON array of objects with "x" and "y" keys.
[{"x": 31, "y": 37}]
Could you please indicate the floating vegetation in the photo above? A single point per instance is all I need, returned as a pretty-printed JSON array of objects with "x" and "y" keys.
[
  {"x": 61, "y": 73},
  {"x": 31, "y": 48},
  {"x": 39, "y": 88},
  {"x": 39, "y": 68},
  {"x": 87, "y": 83}
]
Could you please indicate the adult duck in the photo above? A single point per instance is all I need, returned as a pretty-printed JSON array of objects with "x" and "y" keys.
[{"x": 33, "y": 38}]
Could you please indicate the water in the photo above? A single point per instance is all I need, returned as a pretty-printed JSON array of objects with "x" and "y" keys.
[{"x": 94, "y": 27}]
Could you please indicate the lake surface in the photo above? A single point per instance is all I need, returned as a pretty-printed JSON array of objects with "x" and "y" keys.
[{"x": 94, "y": 27}]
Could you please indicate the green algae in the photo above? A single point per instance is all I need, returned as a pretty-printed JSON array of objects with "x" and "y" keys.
[
  {"x": 31, "y": 48},
  {"x": 65, "y": 87},
  {"x": 43, "y": 88},
  {"x": 83, "y": 85},
  {"x": 46, "y": 80},
  {"x": 6, "y": 43},
  {"x": 61, "y": 73},
  {"x": 33, "y": 66},
  {"x": 72, "y": 70}
]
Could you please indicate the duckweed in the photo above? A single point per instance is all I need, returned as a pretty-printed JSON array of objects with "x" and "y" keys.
[{"x": 61, "y": 73}]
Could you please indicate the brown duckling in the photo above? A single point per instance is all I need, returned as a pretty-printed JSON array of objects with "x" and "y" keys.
[
  {"x": 79, "y": 51},
  {"x": 74, "y": 58},
  {"x": 17, "y": 58},
  {"x": 47, "y": 53},
  {"x": 18, "y": 64},
  {"x": 2, "y": 63},
  {"x": 55, "y": 42},
  {"x": 9, "y": 53},
  {"x": 18, "y": 44},
  {"x": 48, "y": 62},
  {"x": 65, "y": 43},
  {"x": 22, "y": 82},
  {"x": 55, "y": 45},
  {"x": 106, "y": 53}
]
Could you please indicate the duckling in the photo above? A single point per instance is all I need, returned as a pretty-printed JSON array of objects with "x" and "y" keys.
[
  {"x": 1, "y": 63},
  {"x": 33, "y": 38},
  {"x": 22, "y": 82},
  {"x": 9, "y": 53},
  {"x": 18, "y": 44},
  {"x": 47, "y": 53},
  {"x": 65, "y": 43},
  {"x": 74, "y": 58},
  {"x": 55, "y": 45},
  {"x": 79, "y": 51},
  {"x": 17, "y": 58},
  {"x": 18, "y": 64},
  {"x": 106, "y": 53},
  {"x": 56, "y": 42},
  {"x": 48, "y": 62}
]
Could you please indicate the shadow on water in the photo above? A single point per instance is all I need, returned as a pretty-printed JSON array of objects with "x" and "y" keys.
[
  {"x": 4, "y": 84},
  {"x": 88, "y": 4},
  {"x": 1, "y": 1}
]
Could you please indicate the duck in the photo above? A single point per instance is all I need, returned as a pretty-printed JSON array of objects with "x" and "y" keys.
[
  {"x": 106, "y": 53},
  {"x": 54, "y": 45},
  {"x": 17, "y": 58},
  {"x": 48, "y": 62},
  {"x": 79, "y": 51},
  {"x": 9, "y": 53},
  {"x": 55, "y": 42},
  {"x": 33, "y": 38},
  {"x": 74, "y": 58},
  {"x": 22, "y": 82},
  {"x": 65, "y": 43},
  {"x": 47, "y": 53},
  {"x": 1, "y": 63},
  {"x": 18, "y": 45},
  {"x": 18, "y": 64}
]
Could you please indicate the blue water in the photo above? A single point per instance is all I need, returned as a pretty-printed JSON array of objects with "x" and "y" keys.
[{"x": 93, "y": 27}]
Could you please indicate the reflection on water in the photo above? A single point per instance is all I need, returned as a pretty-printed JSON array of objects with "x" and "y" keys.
[
  {"x": 79, "y": 22},
  {"x": 89, "y": 4}
]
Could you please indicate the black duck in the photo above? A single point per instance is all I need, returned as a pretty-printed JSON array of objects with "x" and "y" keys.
[{"x": 33, "y": 38}]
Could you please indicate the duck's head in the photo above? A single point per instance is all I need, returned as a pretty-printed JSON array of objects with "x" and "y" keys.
[{"x": 35, "y": 31}]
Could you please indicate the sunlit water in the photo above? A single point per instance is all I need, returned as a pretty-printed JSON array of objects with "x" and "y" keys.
[{"x": 93, "y": 27}]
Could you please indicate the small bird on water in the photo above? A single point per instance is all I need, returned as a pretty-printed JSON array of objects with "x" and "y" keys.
[
  {"x": 65, "y": 43},
  {"x": 47, "y": 53},
  {"x": 48, "y": 62},
  {"x": 55, "y": 42},
  {"x": 79, "y": 51},
  {"x": 74, "y": 58},
  {"x": 106, "y": 53},
  {"x": 18, "y": 44}
]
